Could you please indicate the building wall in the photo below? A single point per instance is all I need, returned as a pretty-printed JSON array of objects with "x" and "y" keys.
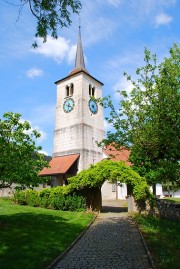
[
  {"x": 78, "y": 130},
  {"x": 173, "y": 194},
  {"x": 108, "y": 192},
  {"x": 122, "y": 191},
  {"x": 112, "y": 191}
]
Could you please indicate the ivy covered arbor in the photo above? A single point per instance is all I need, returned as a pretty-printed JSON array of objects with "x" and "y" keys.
[{"x": 89, "y": 182}]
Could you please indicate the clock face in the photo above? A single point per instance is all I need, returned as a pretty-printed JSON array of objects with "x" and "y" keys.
[
  {"x": 68, "y": 105},
  {"x": 93, "y": 106}
]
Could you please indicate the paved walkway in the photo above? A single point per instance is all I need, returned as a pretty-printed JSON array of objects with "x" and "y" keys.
[{"x": 112, "y": 241}]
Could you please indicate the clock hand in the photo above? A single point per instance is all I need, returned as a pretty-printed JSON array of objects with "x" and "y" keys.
[{"x": 69, "y": 106}]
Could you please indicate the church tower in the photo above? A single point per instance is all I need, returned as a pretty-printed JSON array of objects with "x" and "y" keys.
[
  {"x": 79, "y": 120},
  {"x": 79, "y": 124}
]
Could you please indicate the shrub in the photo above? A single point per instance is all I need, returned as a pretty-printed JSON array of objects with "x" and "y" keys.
[
  {"x": 44, "y": 198},
  {"x": 58, "y": 202},
  {"x": 32, "y": 197},
  {"x": 20, "y": 197},
  {"x": 55, "y": 198},
  {"x": 75, "y": 203}
]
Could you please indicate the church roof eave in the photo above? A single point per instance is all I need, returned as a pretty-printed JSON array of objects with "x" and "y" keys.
[{"x": 75, "y": 72}]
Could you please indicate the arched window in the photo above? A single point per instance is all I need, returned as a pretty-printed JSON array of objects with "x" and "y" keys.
[
  {"x": 67, "y": 91},
  {"x": 71, "y": 89},
  {"x": 91, "y": 90}
]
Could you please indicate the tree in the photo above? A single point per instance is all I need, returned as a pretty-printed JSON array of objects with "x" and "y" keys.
[
  {"x": 20, "y": 161},
  {"x": 50, "y": 15},
  {"x": 148, "y": 118}
]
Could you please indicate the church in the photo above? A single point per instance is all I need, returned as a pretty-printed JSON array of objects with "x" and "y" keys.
[{"x": 79, "y": 125}]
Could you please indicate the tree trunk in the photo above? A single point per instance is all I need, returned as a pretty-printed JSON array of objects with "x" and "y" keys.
[{"x": 154, "y": 189}]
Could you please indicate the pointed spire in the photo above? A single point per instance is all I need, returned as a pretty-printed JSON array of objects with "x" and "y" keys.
[{"x": 79, "y": 62}]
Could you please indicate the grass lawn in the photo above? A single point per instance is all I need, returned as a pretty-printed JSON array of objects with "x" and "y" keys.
[
  {"x": 31, "y": 238},
  {"x": 163, "y": 240},
  {"x": 172, "y": 200}
]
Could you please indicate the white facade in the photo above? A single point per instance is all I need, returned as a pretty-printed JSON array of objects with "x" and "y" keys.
[
  {"x": 112, "y": 191},
  {"x": 159, "y": 190},
  {"x": 173, "y": 194},
  {"x": 78, "y": 130}
]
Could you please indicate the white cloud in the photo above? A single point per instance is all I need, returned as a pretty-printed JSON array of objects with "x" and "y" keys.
[
  {"x": 44, "y": 152},
  {"x": 37, "y": 128},
  {"x": 34, "y": 72},
  {"x": 71, "y": 54},
  {"x": 115, "y": 3},
  {"x": 136, "y": 13},
  {"x": 107, "y": 126},
  {"x": 163, "y": 19},
  {"x": 124, "y": 85},
  {"x": 149, "y": 6},
  {"x": 58, "y": 49},
  {"x": 42, "y": 133}
]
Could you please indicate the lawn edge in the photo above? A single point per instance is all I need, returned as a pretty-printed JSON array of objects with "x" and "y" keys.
[
  {"x": 145, "y": 246},
  {"x": 60, "y": 257}
]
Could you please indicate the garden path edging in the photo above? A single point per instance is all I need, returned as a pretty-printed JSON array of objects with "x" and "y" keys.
[
  {"x": 145, "y": 246},
  {"x": 51, "y": 266}
]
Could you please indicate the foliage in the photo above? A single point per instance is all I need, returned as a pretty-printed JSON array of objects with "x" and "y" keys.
[
  {"x": 20, "y": 160},
  {"x": 156, "y": 232},
  {"x": 43, "y": 234},
  {"x": 148, "y": 117},
  {"x": 113, "y": 172},
  {"x": 171, "y": 187},
  {"x": 54, "y": 198},
  {"x": 50, "y": 15}
]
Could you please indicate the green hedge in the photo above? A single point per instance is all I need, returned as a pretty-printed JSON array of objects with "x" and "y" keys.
[{"x": 54, "y": 198}]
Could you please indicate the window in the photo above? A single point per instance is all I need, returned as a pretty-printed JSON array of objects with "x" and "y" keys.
[
  {"x": 91, "y": 90},
  {"x": 69, "y": 90}
]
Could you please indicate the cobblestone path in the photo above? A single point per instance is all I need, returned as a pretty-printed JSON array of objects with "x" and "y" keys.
[{"x": 112, "y": 241}]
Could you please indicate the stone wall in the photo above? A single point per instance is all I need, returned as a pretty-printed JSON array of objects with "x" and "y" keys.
[
  {"x": 168, "y": 210},
  {"x": 6, "y": 192}
]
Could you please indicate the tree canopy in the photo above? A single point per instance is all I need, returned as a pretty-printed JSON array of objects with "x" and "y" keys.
[
  {"x": 50, "y": 15},
  {"x": 147, "y": 119},
  {"x": 20, "y": 161},
  {"x": 96, "y": 175}
]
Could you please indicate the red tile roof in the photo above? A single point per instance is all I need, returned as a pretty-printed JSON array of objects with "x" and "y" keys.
[
  {"x": 114, "y": 154},
  {"x": 59, "y": 165}
]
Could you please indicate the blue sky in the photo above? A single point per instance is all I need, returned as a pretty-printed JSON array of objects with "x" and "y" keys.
[{"x": 114, "y": 34}]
